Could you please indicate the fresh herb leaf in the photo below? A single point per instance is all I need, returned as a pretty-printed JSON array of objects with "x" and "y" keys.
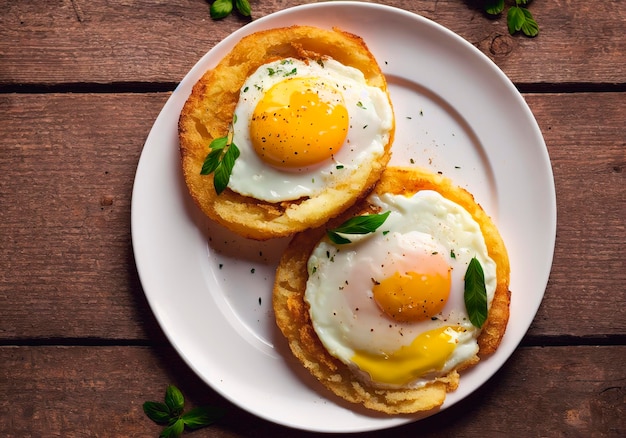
[
  {"x": 203, "y": 415},
  {"x": 174, "y": 400},
  {"x": 243, "y": 6},
  {"x": 475, "y": 293},
  {"x": 518, "y": 17},
  {"x": 529, "y": 27},
  {"x": 157, "y": 412},
  {"x": 223, "y": 171},
  {"x": 220, "y": 9},
  {"x": 357, "y": 225},
  {"x": 212, "y": 161},
  {"x": 171, "y": 413},
  {"x": 515, "y": 19},
  {"x": 173, "y": 430},
  {"x": 221, "y": 160},
  {"x": 494, "y": 7}
]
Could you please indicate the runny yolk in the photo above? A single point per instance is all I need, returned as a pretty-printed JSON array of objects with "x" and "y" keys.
[
  {"x": 415, "y": 295},
  {"x": 299, "y": 122},
  {"x": 428, "y": 352}
]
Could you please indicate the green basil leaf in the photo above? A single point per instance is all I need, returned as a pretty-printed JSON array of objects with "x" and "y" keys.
[
  {"x": 211, "y": 162},
  {"x": 174, "y": 400},
  {"x": 494, "y": 7},
  {"x": 337, "y": 239},
  {"x": 225, "y": 168},
  {"x": 530, "y": 26},
  {"x": 243, "y": 6},
  {"x": 219, "y": 143},
  {"x": 157, "y": 412},
  {"x": 202, "y": 416},
  {"x": 475, "y": 293},
  {"x": 230, "y": 156},
  {"x": 220, "y": 9},
  {"x": 515, "y": 19},
  {"x": 174, "y": 430},
  {"x": 357, "y": 225}
]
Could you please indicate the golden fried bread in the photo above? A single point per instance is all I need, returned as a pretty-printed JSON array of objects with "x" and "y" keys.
[
  {"x": 293, "y": 318},
  {"x": 209, "y": 111}
]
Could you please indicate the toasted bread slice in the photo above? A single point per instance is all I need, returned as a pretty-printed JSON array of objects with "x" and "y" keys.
[
  {"x": 209, "y": 110},
  {"x": 292, "y": 311}
]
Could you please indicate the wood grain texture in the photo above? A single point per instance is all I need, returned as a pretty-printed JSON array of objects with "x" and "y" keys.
[
  {"x": 93, "y": 392},
  {"x": 67, "y": 169},
  {"x": 103, "y": 42},
  {"x": 82, "y": 82},
  {"x": 586, "y": 141},
  {"x": 68, "y": 164}
]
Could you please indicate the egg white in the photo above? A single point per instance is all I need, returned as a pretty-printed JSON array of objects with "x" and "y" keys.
[
  {"x": 371, "y": 122},
  {"x": 339, "y": 288}
]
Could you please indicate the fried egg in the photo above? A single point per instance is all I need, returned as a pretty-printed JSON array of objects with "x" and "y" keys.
[
  {"x": 390, "y": 304},
  {"x": 304, "y": 126}
]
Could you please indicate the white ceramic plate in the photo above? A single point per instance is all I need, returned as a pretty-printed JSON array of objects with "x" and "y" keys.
[{"x": 211, "y": 291}]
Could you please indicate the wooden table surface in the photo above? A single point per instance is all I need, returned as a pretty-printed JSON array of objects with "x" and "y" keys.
[{"x": 81, "y": 83}]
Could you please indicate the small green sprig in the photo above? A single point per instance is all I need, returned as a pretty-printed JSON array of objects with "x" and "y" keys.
[
  {"x": 222, "y": 8},
  {"x": 356, "y": 225},
  {"x": 171, "y": 414},
  {"x": 475, "y": 293},
  {"x": 221, "y": 160},
  {"x": 518, "y": 17}
]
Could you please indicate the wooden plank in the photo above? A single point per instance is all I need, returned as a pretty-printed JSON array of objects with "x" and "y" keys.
[
  {"x": 68, "y": 164},
  {"x": 67, "y": 167},
  {"x": 587, "y": 146},
  {"x": 99, "y": 391},
  {"x": 77, "y": 42}
]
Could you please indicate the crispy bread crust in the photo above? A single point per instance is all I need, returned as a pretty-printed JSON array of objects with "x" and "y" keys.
[
  {"x": 292, "y": 312},
  {"x": 209, "y": 110}
]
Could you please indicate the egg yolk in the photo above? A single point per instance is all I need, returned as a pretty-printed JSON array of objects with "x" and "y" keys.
[
  {"x": 299, "y": 122},
  {"x": 415, "y": 295},
  {"x": 428, "y": 352}
]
